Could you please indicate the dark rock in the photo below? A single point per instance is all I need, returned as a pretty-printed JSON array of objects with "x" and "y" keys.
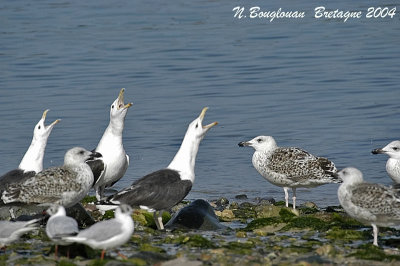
[
  {"x": 221, "y": 203},
  {"x": 79, "y": 213},
  {"x": 265, "y": 201},
  {"x": 198, "y": 215},
  {"x": 241, "y": 197}
]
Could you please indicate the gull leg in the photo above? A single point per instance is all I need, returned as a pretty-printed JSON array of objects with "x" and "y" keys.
[
  {"x": 294, "y": 197},
  {"x": 102, "y": 254},
  {"x": 56, "y": 252},
  {"x": 286, "y": 196},
  {"x": 375, "y": 230},
  {"x": 122, "y": 255},
  {"x": 158, "y": 220}
]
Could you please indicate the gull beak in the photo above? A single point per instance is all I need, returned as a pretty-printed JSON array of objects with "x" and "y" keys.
[
  {"x": 121, "y": 100},
  {"x": 44, "y": 118},
  {"x": 202, "y": 114},
  {"x": 378, "y": 151},
  {"x": 244, "y": 144}
]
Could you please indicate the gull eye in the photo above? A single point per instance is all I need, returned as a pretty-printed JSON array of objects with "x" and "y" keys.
[
  {"x": 39, "y": 127},
  {"x": 112, "y": 106},
  {"x": 81, "y": 152},
  {"x": 197, "y": 125},
  {"x": 395, "y": 148},
  {"x": 259, "y": 140}
]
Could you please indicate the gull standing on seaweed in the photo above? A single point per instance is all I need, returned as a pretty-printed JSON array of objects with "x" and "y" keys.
[
  {"x": 60, "y": 225},
  {"x": 165, "y": 188},
  {"x": 32, "y": 162},
  {"x": 64, "y": 185},
  {"x": 290, "y": 167},
  {"x": 108, "y": 233},
  {"x": 110, "y": 146},
  {"x": 371, "y": 204},
  {"x": 393, "y": 163}
]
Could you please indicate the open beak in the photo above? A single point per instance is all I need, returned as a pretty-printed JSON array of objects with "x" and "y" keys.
[
  {"x": 121, "y": 100},
  {"x": 44, "y": 118},
  {"x": 202, "y": 114}
]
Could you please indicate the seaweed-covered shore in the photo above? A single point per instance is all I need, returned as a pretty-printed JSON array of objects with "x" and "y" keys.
[{"x": 258, "y": 232}]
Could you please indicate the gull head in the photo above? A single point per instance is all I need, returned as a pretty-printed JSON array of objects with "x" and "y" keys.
[
  {"x": 41, "y": 130},
  {"x": 118, "y": 108},
  {"x": 392, "y": 150},
  {"x": 78, "y": 155},
  {"x": 260, "y": 143},
  {"x": 196, "y": 127},
  {"x": 350, "y": 175}
]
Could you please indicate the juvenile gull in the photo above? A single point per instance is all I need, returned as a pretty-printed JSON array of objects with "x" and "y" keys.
[
  {"x": 165, "y": 188},
  {"x": 64, "y": 185},
  {"x": 290, "y": 167},
  {"x": 393, "y": 163},
  {"x": 32, "y": 162},
  {"x": 110, "y": 146},
  {"x": 109, "y": 233},
  {"x": 60, "y": 225},
  {"x": 12, "y": 231},
  {"x": 371, "y": 204}
]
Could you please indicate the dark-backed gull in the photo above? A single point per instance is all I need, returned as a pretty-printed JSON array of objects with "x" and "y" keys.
[
  {"x": 393, "y": 163},
  {"x": 11, "y": 231},
  {"x": 108, "y": 233},
  {"x": 60, "y": 225},
  {"x": 64, "y": 185},
  {"x": 32, "y": 162},
  {"x": 110, "y": 146},
  {"x": 371, "y": 204},
  {"x": 289, "y": 167},
  {"x": 165, "y": 188}
]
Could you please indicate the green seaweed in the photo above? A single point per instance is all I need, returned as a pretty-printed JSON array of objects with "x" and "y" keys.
[
  {"x": 244, "y": 248},
  {"x": 88, "y": 199},
  {"x": 307, "y": 222},
  {"x": 347, "y": 234},
  {"x": 261, "y": 222},
  {"x": 371, "y": 252}
]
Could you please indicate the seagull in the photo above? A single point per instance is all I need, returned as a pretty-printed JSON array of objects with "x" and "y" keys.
[
  {"x": 290, "y": 167},
  {"x": 115, "y": 159},
  {"x": 64, "y": 185},
  {"x": 371, "y": 204},
  {"x": 12, "y": 231},
  {"x": 393, "y": 163},
  {"x": 32, "y": 162},
  {"x": 165, "y": 188},
  {"x": 60, "y": 225},
  {"x": 109, "y": 233}
]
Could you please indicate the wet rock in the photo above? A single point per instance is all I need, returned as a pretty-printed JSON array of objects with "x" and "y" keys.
[
  {"x": 226, "y": 215},
  {"x": 221, "y": 203},
  {"x": 264, "y": 211},
  {"x": 265, "y": 201},
  {"x": 241, "y": 197},
  {"x": 182, "y": 261},
  {"x": 79, "y": 213},
  {"x": 198, "y": 215}
]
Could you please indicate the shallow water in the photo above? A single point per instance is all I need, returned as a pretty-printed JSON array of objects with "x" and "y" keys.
[{"x": 326, "y": 86}]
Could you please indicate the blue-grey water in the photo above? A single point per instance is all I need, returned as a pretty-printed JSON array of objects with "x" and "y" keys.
[{"x": 329, "y": 87}]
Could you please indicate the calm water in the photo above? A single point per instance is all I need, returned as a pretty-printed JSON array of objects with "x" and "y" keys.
[{"x": 326, "y": 86}]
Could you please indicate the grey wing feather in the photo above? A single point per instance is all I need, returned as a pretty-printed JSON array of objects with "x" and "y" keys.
[
  {"x": 62, "y": 226},
  {"x": 102, "y": 230}
]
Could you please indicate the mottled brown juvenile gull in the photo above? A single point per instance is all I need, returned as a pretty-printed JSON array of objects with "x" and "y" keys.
[
  {"x": 32, "y": 162},
  {"x": 371, "y": 204},
  {"x": 12, "y": 231},
  {"x": 64, "y": 185},
  {"x": 393, "y": 163},
  {"x": 108, "y": 233},
  {"x": 163, "y": 189},
  {"x": 115, "y": 159},
  {"x": 290, "y": 167},
  {"x": 60, "y": 225}
]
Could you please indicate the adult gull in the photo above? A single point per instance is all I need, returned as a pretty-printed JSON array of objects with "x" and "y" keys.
[
  {"x": 12, "y": 231},
  {"x": 115, "y": 159},
  {"x": 165, "y": 188},
  {"x": 290, "y": 167},
  {"x": 393, "y": 163}
]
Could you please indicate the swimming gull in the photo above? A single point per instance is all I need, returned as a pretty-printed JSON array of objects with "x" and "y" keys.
[
  {"x": 12, "y": 231},
  {"x": 289, "y": 167},
  {"x": 32, "y": 162},
  {"x": 393, "y": 163},
  {"x": 108, "y": 233},
  {"x": 371, "y": 204},
  {"x": 165, "y": 188},
  {"x": 110, "y": 146},
  {"x": 60, "y": 225},
  {"x": 64, "y": 185}
]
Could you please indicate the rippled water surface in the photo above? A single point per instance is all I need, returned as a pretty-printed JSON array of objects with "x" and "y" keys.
[{"x": 329, "y": 87}]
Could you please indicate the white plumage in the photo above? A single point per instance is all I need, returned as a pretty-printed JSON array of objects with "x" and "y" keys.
[{"x": 393, "y": 163}]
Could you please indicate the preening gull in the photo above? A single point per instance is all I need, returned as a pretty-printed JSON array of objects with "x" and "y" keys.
[
  {"x": 64, "y": 185},
  {"x": 109, "y": 233},
  {"x": 110, "y": 146},
  {"x": 290, "y": 167},
  {"x": 393, "y": 163},
  {"x": 165, "y": 188},
  {"x": 371, "y": 204},
  {"x": 32, "y": 162},
  {"x": 12, "y": 231},
  {"x": 60, "y": 225}
]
